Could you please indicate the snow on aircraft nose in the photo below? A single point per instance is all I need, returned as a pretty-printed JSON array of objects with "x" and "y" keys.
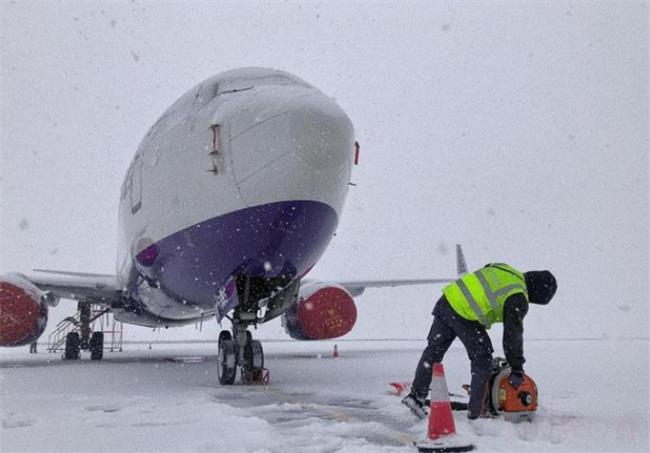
[{"x": 299, "y": 147}]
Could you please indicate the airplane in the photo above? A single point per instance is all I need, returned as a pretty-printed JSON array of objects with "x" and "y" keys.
[{"x": 231, "y": 198}]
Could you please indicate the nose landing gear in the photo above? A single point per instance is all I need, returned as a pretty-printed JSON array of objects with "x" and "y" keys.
[{"x": 240, "y": 350}]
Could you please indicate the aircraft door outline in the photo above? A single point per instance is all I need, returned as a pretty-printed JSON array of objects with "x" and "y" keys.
[{"x": 136, "y": 185}]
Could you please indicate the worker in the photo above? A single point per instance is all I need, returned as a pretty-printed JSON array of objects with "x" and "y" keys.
[{"x": 467, "y": 308}]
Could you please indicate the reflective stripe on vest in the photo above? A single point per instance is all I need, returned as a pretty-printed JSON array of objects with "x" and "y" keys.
[
  {"x": 491, "y": 312},
  {"x": 472, "y": 302}
]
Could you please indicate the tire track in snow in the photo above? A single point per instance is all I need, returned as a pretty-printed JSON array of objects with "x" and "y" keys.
[{"x": 295, "y": 410}]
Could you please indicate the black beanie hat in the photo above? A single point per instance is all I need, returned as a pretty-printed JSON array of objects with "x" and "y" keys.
[{"x": 541, "y": 286}]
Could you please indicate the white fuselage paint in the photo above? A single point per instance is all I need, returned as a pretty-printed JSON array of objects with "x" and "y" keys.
[{"x": 280, "y": 139}]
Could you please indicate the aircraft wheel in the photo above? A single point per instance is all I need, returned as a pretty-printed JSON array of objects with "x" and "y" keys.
[
  {"x": 227, "y": 362},
  {"x": 224, "y": 335},
  {"x": 72, "y": 343},
  {"x": 97, "y": 346},
  {"x": 254, "y": 355}
]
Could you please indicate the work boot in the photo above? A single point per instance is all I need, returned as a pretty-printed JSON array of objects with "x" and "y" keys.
[{"x": 416, "y": 404}]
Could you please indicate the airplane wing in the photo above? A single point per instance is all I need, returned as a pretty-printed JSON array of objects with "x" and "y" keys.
[
  {"x": 99, "y": 289},
  {"x": 356, "y": 288}
]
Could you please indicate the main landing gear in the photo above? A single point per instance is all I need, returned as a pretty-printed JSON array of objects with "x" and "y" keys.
[
  {"x": 73, "y": 346},
  {"x": 75, "y": 341},
  {"x": 240, "y": 350}
]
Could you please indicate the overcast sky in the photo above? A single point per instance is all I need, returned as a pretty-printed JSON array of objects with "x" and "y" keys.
[{"x": 519, "y": 129}]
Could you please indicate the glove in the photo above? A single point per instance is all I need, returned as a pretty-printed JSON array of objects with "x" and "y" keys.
[{"x": 516, "y": 378}]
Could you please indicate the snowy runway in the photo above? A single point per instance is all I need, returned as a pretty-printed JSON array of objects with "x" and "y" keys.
[{"x": 593, "y": 395}]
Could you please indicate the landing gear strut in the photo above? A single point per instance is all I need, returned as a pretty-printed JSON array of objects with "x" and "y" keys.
[
  {"x": 83, "y": 339},
  {"x": 240, "y": 350},
  {"x": 84, "y": 324}
]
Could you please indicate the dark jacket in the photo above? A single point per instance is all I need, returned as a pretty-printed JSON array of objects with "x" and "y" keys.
[{"x": 514, "y": 311}]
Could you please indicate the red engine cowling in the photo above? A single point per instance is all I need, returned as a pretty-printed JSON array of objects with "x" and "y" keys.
[
  {"x": 321, "y": 312},
  {"x": 23, "y": 315}
]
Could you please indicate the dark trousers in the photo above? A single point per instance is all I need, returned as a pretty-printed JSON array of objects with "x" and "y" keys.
[{"x": 447, "y": 325}]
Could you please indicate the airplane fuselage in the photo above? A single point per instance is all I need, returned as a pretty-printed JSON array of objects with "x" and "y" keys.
[{"x": 231, "y": 198}]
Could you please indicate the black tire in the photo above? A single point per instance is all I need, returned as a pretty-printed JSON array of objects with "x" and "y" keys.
[
  {"x": 227, "y": 362},
  {"x": 97, "y": 346},
  {"x": 223, "y": 336},
  {"x": 254, "y": 355},
  {"x": 72, "y": 342}
]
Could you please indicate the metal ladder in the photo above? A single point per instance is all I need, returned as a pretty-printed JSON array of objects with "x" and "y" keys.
[{"x": 101, "y": 320}]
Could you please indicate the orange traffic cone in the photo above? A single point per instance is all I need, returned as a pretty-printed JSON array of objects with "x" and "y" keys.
[
  {"x": 335, "y": 353},
  {"x": 441, "y": 435}
]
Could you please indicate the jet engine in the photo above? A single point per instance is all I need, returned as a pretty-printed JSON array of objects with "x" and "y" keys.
[
  {"x": 322, "y": 311},
  {"x": 23, "y": 311}
]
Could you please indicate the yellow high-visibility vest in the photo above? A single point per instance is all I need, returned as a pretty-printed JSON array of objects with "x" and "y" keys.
[{"x": 480, "y": 296}]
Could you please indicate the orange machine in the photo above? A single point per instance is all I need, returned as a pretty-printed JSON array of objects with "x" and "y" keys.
[{"x": 515, "y": 405}]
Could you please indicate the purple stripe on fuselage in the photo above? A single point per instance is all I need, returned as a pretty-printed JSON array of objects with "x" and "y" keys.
[{"x": 285, "y": 238}]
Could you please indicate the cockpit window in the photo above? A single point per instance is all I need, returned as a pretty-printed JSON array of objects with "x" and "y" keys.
[
  {"x": 233, "y": 86},
  {"x": 244, "y": 84},
  {"x": 278, "y": 79}
]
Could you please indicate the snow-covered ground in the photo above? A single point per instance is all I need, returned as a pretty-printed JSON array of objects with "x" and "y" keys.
[{"x": 593, "y": 396}]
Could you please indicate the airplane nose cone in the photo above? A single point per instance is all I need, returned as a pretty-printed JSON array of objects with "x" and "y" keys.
[
  {"x": 320, "y": 132},
  {"x": 300, "y": 147}
]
